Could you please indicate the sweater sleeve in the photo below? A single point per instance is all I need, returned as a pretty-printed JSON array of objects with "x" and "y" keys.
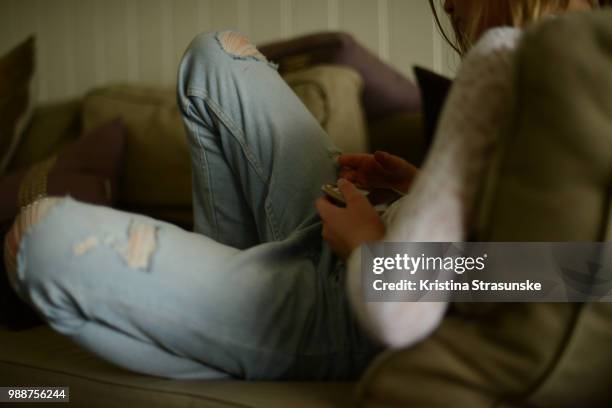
[{"x": 440, "y": 204}]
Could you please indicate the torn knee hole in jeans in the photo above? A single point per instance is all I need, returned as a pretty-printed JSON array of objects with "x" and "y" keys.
[
  {"x": 136, "y": 252},
  {"x": 238, "y": 45},
  {"x": 29, "y": 216}
]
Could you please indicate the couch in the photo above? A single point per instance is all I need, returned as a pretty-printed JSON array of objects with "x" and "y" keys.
[{"x": 552, "y": 181}]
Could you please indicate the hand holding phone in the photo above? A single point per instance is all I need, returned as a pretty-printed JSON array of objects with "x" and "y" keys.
[{"x": 333, "y": 192}]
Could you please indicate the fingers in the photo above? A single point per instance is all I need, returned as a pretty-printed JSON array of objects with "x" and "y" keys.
[
  {"x": 325, "y": 208},
  {"x": 360, "y": 169},
  {"x": 352, "y": 160},
  {"x": 348, "y": 174},
  {"x": 328, "y": 212},
  {"x": 388, "y": 161},
  {"x": 355, "y": 177},
  {"x": 349, "y": 192}
]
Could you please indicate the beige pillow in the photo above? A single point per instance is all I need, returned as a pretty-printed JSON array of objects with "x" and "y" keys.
[
  {"x": 332, "y": 93},
  {"x": 157, "y": 165}
]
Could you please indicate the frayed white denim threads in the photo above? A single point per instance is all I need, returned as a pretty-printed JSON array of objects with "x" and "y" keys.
[
  {"x": 27, "y": 218},
  {"x": 240, "y": 47}
]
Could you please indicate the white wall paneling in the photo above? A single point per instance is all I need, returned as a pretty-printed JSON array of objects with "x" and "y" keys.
[
  {"x": 445, "y": 59},
  {"x": 310, "y": 15},
  {"x": 82, "y": 44},
  {"x": 410, "y": 24},
  {"x": 360, "y": 17}
]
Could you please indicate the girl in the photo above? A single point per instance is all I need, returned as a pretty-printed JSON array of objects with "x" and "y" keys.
[
  {"x": 440, "y": 205},
  {"x": 255, "y": 292}
]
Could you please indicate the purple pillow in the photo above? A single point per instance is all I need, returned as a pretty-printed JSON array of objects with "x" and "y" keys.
[
  {"x": 434, "y": 90},
  {"x": 386, "y": 90},
  {"x": 88, "y": 169}
]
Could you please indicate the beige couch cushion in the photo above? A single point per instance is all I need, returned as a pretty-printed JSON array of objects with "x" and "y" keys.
[
  {"x": 157, "y": 178},
  {"x": 39, "y": 357},
  {"x": 157, "y": 166},
  {"x": 332, "y": 93},
  {"x": 552, "y": 182}
]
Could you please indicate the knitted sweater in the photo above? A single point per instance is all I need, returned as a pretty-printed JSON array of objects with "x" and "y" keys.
[{"x": 440, "y": 205}]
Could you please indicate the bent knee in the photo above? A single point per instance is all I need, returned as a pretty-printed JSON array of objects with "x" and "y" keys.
[
  {"x": 210, "y": 60},
  {"x": 238, "y": 45},
  {"x": 211, "y": 50},
  {"x": 27, "y": 219}
]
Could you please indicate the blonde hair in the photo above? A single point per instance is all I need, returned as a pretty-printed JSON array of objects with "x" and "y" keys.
[{"x": 515, "y": 13}]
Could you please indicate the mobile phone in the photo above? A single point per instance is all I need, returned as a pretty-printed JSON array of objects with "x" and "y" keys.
[{"x": 333, "y": 192}]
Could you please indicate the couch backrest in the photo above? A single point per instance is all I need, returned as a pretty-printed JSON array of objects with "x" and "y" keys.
[{"x": 553, "y": 180}]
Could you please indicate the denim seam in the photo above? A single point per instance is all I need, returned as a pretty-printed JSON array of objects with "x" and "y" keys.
[
  {"x": 272, "y": 220},
  {"x": 203, "y": 161},
  {"x": 234, "y": 130},
  {"x": 229, "y": 123}
]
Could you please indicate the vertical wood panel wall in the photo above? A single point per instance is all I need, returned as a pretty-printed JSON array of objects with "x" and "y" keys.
[{"x": 88, "y": 43}]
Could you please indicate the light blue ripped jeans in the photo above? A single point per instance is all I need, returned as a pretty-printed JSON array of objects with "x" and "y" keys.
[{"x": 254, "y": 293}]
